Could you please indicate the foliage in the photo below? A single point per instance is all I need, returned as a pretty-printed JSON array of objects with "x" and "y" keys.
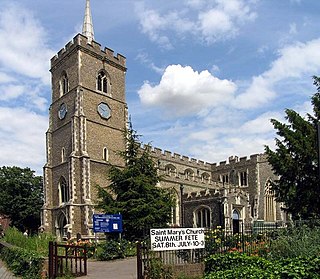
[
  {"x": 157, "y": 270},
  {"x": 21, "y": 197},
  {"x": 134, "y": 192},
  {"x": 38, "y": 243},
  {"x": 295, "y": 242},
  {"x": 236, "y": 265},
  {"x": 295, "y": 160},
  {"x": 24, "y": 263},
  {"x": 112, "y": 249}
]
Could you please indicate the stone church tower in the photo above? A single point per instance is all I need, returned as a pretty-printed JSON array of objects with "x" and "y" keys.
[{"x": 87, "y": 117}]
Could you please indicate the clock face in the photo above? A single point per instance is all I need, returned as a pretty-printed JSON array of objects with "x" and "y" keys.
[
  {"x": 62, "y": 111},
  {"x": 104, "y": 110}
]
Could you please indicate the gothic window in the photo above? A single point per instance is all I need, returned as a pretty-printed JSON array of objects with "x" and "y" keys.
[
  {"x": 235, "y": 221},
  {"x": 102, "y": 82},
  {"x": 203, "y": 217},
  {"x": 224, "y": 178},
  {"x": 269, "y": 203},
  {"x": 105, "y": 155},
  {"x": 243, "y": 178},
  {"x": 205, "y": 177},
  {"x": 63, "y": 154},
  {"x": 189, "y": 174},
  {"x": 64, "y": 84},
  {"x": 170, "y": 170},
  {"x": 64, "y": 195}
]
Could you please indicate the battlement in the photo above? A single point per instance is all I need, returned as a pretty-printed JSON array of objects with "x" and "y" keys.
[
  {"x": 176, "y": 158},
  {"x": 81, "y": 41},
  {"x": 204, "y": 194},
  {"x": 236, "y": 161}
]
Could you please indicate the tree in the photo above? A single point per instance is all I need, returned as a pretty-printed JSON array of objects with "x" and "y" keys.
[
  {"x": 21, "y": 197},
  {"x": 295, "y": 161},
  {"x": 134, "y": 193}
]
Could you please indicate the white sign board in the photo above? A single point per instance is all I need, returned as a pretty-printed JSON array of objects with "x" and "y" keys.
[{"x": 177, "y": 239}]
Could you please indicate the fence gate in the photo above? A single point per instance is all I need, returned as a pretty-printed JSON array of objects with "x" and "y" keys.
[
  {"x": 186, "y": 262},
  {"x": 67, "y": 259}
]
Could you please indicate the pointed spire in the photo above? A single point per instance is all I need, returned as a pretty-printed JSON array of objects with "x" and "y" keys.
[{"x": 87, "y": 29}]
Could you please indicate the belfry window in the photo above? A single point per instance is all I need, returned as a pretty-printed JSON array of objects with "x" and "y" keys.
[
  {"x": 202, "y": 218},
  {"x": 63, "y": 154},
  {"x": 64, "y": 84},
  {"x": 102, "y": 82},
  {"x": 64, "y": 195}
]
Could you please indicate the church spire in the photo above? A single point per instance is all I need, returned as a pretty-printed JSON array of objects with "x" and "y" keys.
[{"x": 87, "y": 29}]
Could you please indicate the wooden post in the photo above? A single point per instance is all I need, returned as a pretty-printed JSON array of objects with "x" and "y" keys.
[
  {"x": 139, "y": 261},
  {"x": 51, "y": 260}
]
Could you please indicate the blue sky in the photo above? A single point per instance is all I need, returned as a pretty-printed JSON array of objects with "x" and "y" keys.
[{"x": 204, "y": 77}]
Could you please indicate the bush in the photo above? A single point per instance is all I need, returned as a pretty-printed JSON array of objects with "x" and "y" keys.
[
  {"x": 27, "y": 264},
  {"x": 235, "y": 265},
  {"x": 38, "y": 243},
  {"x": 296, "y": 242},
  {"x": 112, "y": 249},
  {"x": 234, "y": 260}
]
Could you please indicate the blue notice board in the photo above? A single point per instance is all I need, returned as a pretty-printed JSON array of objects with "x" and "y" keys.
[{"x": 107, "y": 223}]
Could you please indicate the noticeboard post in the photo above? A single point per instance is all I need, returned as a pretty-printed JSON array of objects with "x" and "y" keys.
[
  {"x": 177, "y": 239},
  {"x": 107, "y": 223}
]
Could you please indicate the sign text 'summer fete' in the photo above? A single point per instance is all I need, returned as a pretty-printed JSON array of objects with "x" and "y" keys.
[{"x": 177, "y": 239}]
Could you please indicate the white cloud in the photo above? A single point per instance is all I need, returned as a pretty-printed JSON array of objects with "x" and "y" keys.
[
  {"x": 5, "y": 78},
  {"x": 214, "y": 21},
  {"x": 22, "y": 138},
  {"x": 182, "y": 91},
  {"x": 9, "y": 92},
  {"x": 223, "y": 21},
  {"x": 294, "y": 61},
  {"x": 23, "y": 47},
  {"x": 143, "y": 58}
]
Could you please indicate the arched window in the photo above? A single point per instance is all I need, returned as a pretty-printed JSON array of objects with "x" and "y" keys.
[
  {"x": 102, "y": 82},
  {"x": 170, "y": 170},
  {"x": 64, "y": 195},
  {"x": 105, "y": 155},
  {"x": 203, "y": 217},
  {"x": 236, "y": 221},
  {"x": 64, "y": 84},
  {"x": 269, "y": 203},
  {"x": 205, "y": 177},
  {"x": 189, "y": 174}
]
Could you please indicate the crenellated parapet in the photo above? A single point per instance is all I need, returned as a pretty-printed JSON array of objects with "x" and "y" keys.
[
  {"x": 175, "y": 158},
  {"x": 204, "y": 194},
  {"x": 94, "y": 48},
  {"x": 236, "y": 161}
]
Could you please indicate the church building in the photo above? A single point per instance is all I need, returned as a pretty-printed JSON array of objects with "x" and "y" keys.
[{"x": 87, "y": 117}]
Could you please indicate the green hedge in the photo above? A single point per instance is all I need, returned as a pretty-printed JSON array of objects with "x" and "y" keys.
[
  {"x": 23, "y": 263},
  {"x": 112, "y": 249},
  {"x": 236, "y": 265}
]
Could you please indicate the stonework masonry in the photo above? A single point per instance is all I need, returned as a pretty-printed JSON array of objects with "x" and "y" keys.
[{"x": 87, "y": 117}]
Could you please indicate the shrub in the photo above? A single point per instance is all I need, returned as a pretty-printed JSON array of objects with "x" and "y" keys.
[
  {"x": 235, "y": 265},
  {"x": 27, "y": 264},
  {"x": 38, "y": 243},
  {"x": 296, "y": 242},
  {"x": 234, "y": 260},
  {"x": 112, "y": 249}
]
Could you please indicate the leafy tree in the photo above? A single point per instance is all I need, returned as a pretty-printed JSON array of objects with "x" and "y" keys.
[
  {"x": 21, "y": 197},
  {"x": 133, "y": 191},
  {"x": 295, "y": 160}
]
